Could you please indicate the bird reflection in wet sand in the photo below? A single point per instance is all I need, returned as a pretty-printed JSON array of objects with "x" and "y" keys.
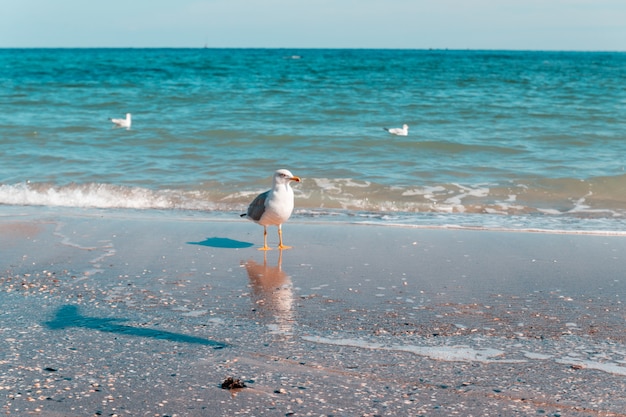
[{"x": 272, "y": 293}]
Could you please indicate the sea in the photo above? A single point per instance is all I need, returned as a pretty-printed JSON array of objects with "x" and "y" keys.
[{"x": 512, "y": 140}]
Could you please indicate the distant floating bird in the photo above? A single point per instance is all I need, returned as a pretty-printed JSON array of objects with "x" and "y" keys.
[
  {"x": 397, "y": 131},
  {"x": 122, "y": 122},
  {"x": 274, "y": 207}
]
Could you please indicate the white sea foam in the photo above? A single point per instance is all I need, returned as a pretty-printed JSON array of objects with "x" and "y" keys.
[
  {"x": 427, "y": 192},
  {"x": 457, "y": 200},
  {"x": 450, "y": 206},
  {"x": 339, "y": 185},
  {"x": 608, "y": 367},
  {"x": 458, "y": 353},
  {"x": 96, "y": 196},
  {"x": 574, "y": 351}
]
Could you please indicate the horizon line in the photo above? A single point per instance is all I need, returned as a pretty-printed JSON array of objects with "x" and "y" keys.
[{"x": 319, "y": 48}]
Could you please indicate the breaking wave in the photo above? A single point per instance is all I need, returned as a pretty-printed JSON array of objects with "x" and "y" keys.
[
  {"x": 96, "y": 195},
  {"x": 595, "y": 198}
]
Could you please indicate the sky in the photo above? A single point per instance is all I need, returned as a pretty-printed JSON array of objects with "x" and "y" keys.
[{"x": 580, "y": 25}]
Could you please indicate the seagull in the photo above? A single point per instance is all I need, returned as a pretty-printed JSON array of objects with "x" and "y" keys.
[
  {"x": 397, "y": 131},
  {"x": 273, "y": 207},
  {"x": 122, "y": 122}
]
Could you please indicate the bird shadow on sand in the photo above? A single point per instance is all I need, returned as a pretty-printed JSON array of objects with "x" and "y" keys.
[
  {"x": 223, "y": 242},
  {"x": 69, "y": 316}
]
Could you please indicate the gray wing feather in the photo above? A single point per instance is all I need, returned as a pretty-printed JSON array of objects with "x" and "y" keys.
[{"x": 257, "y": 207}]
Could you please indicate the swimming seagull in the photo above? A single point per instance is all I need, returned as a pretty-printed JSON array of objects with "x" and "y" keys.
[
  {"x": 273, "y": 207},
  {"x": 397, "y": 131},
  {"x": 122, "y": 122}
]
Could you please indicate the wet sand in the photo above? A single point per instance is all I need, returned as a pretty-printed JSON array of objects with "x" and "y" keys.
[{"x": 146, "y": 314}]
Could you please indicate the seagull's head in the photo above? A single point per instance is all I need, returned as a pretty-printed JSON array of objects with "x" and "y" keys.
[
  {"x": 405, "y": 127},
  {"x": 284, "y": 176}
]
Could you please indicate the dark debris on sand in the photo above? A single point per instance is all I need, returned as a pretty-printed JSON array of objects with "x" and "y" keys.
[{"x": 231, "y": 383}]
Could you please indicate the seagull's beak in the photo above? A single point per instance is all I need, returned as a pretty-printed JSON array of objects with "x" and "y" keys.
[{"x": 296, "y": 179}]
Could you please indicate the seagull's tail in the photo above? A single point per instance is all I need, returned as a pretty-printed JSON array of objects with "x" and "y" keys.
[{"x": 386, "y": 129}]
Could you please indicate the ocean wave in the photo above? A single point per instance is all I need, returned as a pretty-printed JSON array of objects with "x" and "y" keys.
[
  {"x": 596, "y": 198},
  {"x": 97, "y": 195},
  {"x": 449, "y": 206}
]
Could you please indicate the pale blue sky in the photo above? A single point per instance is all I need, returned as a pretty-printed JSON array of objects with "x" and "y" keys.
[{"x": 417, "y": 24}]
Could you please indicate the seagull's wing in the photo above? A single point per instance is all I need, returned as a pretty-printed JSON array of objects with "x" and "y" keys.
[{"x": 257, "y": 207}]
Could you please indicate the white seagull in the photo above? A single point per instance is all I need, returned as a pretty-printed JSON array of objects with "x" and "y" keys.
[
  {"x": 273, "y": 207},
  {"x": 397, "y": 131},
  {"x": 122, "y": 122}
]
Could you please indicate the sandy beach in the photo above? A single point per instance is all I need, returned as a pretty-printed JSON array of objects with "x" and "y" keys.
[{"x": 146, "y": 313}]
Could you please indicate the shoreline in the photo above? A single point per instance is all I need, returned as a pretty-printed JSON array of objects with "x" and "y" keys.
[
  {"x": 547, "y": 224},
  {"x": 149, "y": 314}
]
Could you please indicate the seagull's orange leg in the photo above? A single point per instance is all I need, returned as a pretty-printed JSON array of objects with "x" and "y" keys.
[
  {"x": 265, "y": 247},
  {"x": 280, "y": 239}
]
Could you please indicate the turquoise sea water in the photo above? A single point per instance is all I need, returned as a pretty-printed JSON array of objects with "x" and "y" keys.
[{"x": 496, "y": 139}]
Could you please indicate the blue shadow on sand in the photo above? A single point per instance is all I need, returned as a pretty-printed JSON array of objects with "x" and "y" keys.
[
  {"x": 223, "y": 242},
  {"x": 68, "y": 316}
]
